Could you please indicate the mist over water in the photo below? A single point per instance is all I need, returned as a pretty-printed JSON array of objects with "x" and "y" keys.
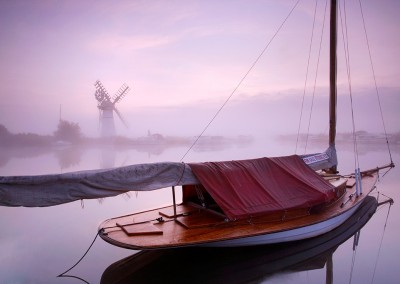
[
  {"x": 68, "y": 229},
  {"x": 261, "y": 114}
]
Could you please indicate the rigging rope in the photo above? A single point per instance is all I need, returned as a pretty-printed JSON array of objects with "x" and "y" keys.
[
  {"x": 305, "y": 82},
  {"x": 376, "y": 85},
  {"x": 316, "y": 76},
  {"x": 241, "y": 81},
  {"x": 357, "y": 174},
  {"x": 347, "y": 57}
]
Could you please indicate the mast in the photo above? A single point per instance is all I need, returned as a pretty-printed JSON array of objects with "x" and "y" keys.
[{"x": 332, "y": 78}]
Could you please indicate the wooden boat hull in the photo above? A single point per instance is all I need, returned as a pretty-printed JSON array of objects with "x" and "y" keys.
[
  {"x": 238, "y": 265},
  {"x": 198, "y": 227},
  {"x": 301, "y": 233}
]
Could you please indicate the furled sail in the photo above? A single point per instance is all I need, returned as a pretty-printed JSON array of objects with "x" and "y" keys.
[
  {"x": 49, "y": 190},
  {"x": 320, "y": 161}
]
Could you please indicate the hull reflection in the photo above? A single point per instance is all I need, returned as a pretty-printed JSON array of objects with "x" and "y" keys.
[{"x": 237, "y": 265}]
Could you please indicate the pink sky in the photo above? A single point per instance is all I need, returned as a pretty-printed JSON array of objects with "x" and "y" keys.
[{"x": 178, "y": 55}]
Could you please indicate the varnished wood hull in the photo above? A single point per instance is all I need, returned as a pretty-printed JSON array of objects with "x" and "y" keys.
[
  {"x": 235, "y": 265},
  {"x": 198, "y": 227}
]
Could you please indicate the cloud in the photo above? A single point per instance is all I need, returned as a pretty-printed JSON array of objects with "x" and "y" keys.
[{"x": 118, "y": 43}]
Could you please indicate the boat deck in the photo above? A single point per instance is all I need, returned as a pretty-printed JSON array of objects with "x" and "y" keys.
[{"x": 194, "y": 225}]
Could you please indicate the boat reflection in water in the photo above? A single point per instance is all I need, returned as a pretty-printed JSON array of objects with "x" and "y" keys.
[{"x": 237, "y": 265}]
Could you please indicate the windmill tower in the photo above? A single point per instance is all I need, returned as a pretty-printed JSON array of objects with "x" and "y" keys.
[{"x": 106, "y": 106}]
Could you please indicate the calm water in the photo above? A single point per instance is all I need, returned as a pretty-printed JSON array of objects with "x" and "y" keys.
[{"x": 37, "y": 244}]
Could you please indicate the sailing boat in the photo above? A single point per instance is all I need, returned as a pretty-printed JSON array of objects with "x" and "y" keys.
[
  {"x": 224, "y": 204},
  {"x": 252, "y": 202}
]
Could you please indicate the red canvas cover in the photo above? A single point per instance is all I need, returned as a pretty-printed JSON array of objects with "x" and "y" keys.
[{"x": 256, "y": 187}]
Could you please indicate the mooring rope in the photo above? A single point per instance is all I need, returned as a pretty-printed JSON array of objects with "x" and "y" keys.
[
  {"x": 71, "y": 276},
  {"x": 240, "y": 82}
]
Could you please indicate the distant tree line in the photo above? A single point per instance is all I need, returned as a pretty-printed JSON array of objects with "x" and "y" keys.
[
  {"x": 22, "y": 139},
  {"x": 66, "y": 131}
]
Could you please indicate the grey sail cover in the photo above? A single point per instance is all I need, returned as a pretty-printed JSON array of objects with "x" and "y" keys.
[{"x": 49, "y": 190}]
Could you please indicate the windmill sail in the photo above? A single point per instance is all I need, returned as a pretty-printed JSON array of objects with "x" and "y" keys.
[
  {"x": 120, "y": 93},
  {"x": 120, "y": 117}
]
